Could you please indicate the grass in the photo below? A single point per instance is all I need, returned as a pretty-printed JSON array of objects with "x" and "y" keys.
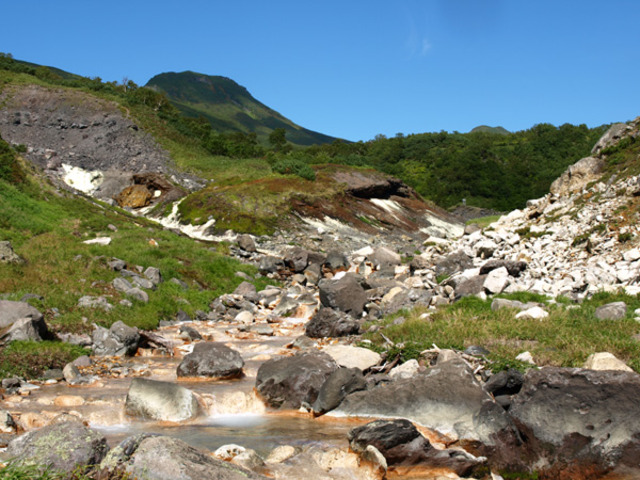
[
  {"x": 47, "y": 229},
  {"x": 258, "y": 206},
  {"x": 17, "y": 471},
  {"x": 565, "y": 338},
  {"x": 483, "y": 222},
  {"x": 31, "y": 359}
]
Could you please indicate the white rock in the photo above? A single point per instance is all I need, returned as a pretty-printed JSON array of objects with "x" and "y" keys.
[
  {"x": 533, "y": 313},
  {"x": 98, "y": 241},
  {"x": 407, "y": 370},
  {"x": 349, "y": 357},
  {"x": 605, "y": 361},
  {"x": 497, "y": 280},
  {"x": 244, "y": 317},
  {"x": 364, "y": 252},
  {"x": 526, "y": 357},
  {"x": 631, "y": 255}
]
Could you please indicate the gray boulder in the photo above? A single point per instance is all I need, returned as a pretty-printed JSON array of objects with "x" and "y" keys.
[
  {"x": 335, "y": 261},
  {"x": 578, "y": 175},
  {"x": 610, "y": 137},
  {"x": 12, "y": 311},
  {"x": 246, "y": 243},
  {"x": 514, "y": 268},
  {"x": 138, "y": 294},
  {"x": 118, "y": 341},
  {"x": 211, "y": 359},
  {"x": 470, "y": 286},
  {"x": 446, "y": 398},
  {"x": 383, "y": 257},
  {"x": 164, "y": 401},
  {"x": 297, "y": 259},
  {"x": 400, "y": 442},
  {"x": 153, "y": 274},
  {"x": 63, "y": 447},
  {"x": 580, "y": 420},
  {"x": 25, "y": 329},
  {"x": 290, "y": 381},
  {"x": 247, "y": 291},
  {"x": 453, "y": 263},
  {"x": 270, "y": 264},
  {"x": 152, "y": 457},
  {"x": 337, "y": 386},
  {"x": 611, "y": 311},
  {"x": 346, "y": 294},
  {"x": 328, "y": 322},
  {"x": 121, "y": 284}
]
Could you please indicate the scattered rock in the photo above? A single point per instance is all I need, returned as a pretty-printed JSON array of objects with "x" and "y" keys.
[
  {"x": 331, "y": 323},
  {"x": 290, "y": 381},
  {"x": 344, "y": 294},
  {"x": 164, "y": 401},
  {"x": 338, "y": 385},
  {"x": 401, "y": 444},
  {"x": 611, "y": 311},
  {"x": 63, "y": 447},
  {"x": 211, "y": 359},
  {"x": 161, "y": 458},
  {"x": 119, "y": 340},
  {"x": 567, "y": 419},
  {"x": 246, "y": 243},
  {"x": 353, "y": 357},
  {"x": 605, "y": 361},
  {"x": 7, "y": 255}
]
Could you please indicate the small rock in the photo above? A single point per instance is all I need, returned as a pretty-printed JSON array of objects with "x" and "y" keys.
[
  {"x": 407, "y": 370},
  {"x": 526, "y": 357},
  {"x": 139, "y": 295},
  {"x": 98, "y": 241},
  {"x": 534, "y": 313},
  {"x": 605, "y": 361},
  {"x": 612, "y": 311}
]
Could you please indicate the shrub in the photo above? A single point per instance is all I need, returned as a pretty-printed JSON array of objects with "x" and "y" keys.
[{"x": 292, "y": 166}]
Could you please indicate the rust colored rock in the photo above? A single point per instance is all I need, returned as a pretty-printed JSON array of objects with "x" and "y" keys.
[{"x": 135, "y": 196}]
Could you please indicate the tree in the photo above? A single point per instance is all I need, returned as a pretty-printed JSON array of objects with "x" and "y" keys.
[{"x": 278, "y": 139}]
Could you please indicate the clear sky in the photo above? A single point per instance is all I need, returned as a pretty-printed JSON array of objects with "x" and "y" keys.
[{"x": 357, "y": 68}]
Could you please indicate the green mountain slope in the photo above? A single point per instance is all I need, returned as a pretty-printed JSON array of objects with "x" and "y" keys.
[
  {"x": 229, "y": 107},
  {"x": 488, "y": 129}
]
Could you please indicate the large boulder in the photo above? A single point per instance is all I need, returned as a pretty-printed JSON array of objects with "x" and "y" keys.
[
  {"x": 346, "y": 294},
  {"x": 400, "y": 442},
  {"x": 134, "y": 196},
  {"x": 119, "y": 340},
  {"x": 610, "y": 137},
  {"x": 446, "y": 398},
  {"x": 211, "y": 359},
  {"x": 453, "y": 263},
  {"x": 12, "y": 311},
  {"x": 383, "y": 257},
  {"x": 21, "y": 321},
  {"x": 337, "y": 386},
  {"x": 62, "y": 447},
  {"x": 577, "y": 176},
  {"x": 290, "y": 381},
  {"x": 152, "y": 457},
  {"x": 577, "y": 420},
  {"x": 164, "y": 401},
  {"x": 328, "y": 322}
]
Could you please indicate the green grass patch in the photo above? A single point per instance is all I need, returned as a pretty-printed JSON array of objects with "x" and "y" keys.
[
  {"x": 31, "y": 359},
  {"x": 565, "y": 338},
  {"x": 483, "y": 222}
]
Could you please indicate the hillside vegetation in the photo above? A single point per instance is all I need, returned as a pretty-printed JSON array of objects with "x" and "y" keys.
[{"x": 229, "y": 107}]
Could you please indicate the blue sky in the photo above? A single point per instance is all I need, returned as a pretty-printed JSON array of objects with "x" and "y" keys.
[{"x": 358, "y": 68}]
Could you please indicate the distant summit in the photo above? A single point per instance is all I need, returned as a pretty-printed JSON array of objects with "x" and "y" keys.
[
  {"x": 229, "y": 107},
  {"x": 487, "y": 129}
]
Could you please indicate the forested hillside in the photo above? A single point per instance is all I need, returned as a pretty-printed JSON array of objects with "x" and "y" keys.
[{"x": 491, "y": 170}]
